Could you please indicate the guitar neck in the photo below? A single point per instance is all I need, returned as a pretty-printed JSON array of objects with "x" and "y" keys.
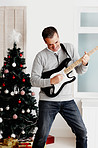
[{"x": 76, "y": 63}]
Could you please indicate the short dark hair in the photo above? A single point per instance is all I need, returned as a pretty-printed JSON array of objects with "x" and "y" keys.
[{"x": 48, "y": 32}]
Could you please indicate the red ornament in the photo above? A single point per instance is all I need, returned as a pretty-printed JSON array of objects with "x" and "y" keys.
[
  {"x": 23, "y": 80},
  {"x": 20, "y": 54},
  {"x": 9, "y": 56},
  {"x": 19, "y": 101},
  {"x": 9, "y": 137},
  {"x": 5, "y": 64},
  {"x": 13, "y": 77},
  {"x": 3, "y": 84},
  {"x": 21, "y": 65}
]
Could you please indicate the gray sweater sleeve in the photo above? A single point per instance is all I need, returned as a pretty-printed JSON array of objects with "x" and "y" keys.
[{"x": 36, "y": 73}]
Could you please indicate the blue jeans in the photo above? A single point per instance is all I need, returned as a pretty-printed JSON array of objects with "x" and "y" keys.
[{"x": 69, "y": 111}]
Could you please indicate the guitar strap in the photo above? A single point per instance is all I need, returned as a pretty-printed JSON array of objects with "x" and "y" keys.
[
  {"x": 63, "y": 47},
  {"x": 50, "y": 91}
]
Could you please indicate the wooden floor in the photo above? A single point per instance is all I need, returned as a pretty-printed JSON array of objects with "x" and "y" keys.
[{"x": 62, "y": 143}]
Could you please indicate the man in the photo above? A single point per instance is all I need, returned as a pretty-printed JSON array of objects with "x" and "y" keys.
[{"x": 46, "y": 60}]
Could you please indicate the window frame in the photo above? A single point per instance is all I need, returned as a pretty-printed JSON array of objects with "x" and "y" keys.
[{"x": 79, "y": 30}]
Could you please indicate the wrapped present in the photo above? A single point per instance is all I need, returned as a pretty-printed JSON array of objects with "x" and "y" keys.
[
  {"x": 4, "y": 146},
  {"x": 50, "y": 139},
  {"x": 10, "y": 142},
  {"x": 1, "y": 142},
  {"x": 25, "y": 144}
]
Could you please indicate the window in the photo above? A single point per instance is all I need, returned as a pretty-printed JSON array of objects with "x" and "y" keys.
[
  {"x": 11, "y": 18},
  {"x": 87, "y": 39}
]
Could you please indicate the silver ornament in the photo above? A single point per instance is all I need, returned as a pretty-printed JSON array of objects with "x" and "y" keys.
[
  {"x": 23, "y": 132},
  {"x": 6, "y": 91},
  {"x": 1, "y": 132},
  {"x": 15, "y": 92},
  {"x": 7, "y": 108},
  {"x": 1, "y": 120},
  {"x": 23, "y": 111},
  {"x": 13, "y": 135},
  {"x": 14, "y": 64},
  {"x": 1, "y": 109},
  {"x": 12, "y": 93},
  {"x": 33, "y": 112},
  {"x": 3, "y": 76},
  {"x": 28, "y": 110}
]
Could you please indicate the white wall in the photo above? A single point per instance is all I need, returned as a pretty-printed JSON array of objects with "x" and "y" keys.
[
  {"x": 46, "y": 13},
  {"x": 42, "y": 13}
]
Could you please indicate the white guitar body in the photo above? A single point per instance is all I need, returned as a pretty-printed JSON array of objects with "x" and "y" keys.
[{"x": 65, "y": 79}]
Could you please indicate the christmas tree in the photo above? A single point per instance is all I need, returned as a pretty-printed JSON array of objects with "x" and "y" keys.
[{"x": 18, "y": 106}]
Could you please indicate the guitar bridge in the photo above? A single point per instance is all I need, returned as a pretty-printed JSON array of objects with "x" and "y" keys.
[{"x": 51, "y": 91}]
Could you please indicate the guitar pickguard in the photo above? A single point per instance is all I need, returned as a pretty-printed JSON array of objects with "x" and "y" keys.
[{"x": 54, "y": 90}]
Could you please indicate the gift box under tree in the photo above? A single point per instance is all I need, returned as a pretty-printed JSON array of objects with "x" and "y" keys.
[
  {"x": 50, "y": 139},
  {"x": 26, "y": 144}
]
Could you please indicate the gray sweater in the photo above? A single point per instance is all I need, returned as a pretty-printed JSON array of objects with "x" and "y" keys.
[{"x": 45, "y": 60}]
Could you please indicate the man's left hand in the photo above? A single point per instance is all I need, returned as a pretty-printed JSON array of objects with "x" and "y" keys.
[{"x": 85, "y": 59}]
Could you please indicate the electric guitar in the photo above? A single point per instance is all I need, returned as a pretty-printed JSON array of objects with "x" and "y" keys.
[{"x": 54, "y": 90}]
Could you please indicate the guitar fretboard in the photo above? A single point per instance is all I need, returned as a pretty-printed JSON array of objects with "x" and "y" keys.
[{"x": 76, "y": 63}]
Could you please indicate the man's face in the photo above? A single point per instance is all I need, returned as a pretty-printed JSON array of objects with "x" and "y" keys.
[{"x": 53, "y": 43}]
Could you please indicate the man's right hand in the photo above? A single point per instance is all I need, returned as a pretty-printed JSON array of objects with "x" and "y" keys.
[{"x": 56, "y": 79}]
